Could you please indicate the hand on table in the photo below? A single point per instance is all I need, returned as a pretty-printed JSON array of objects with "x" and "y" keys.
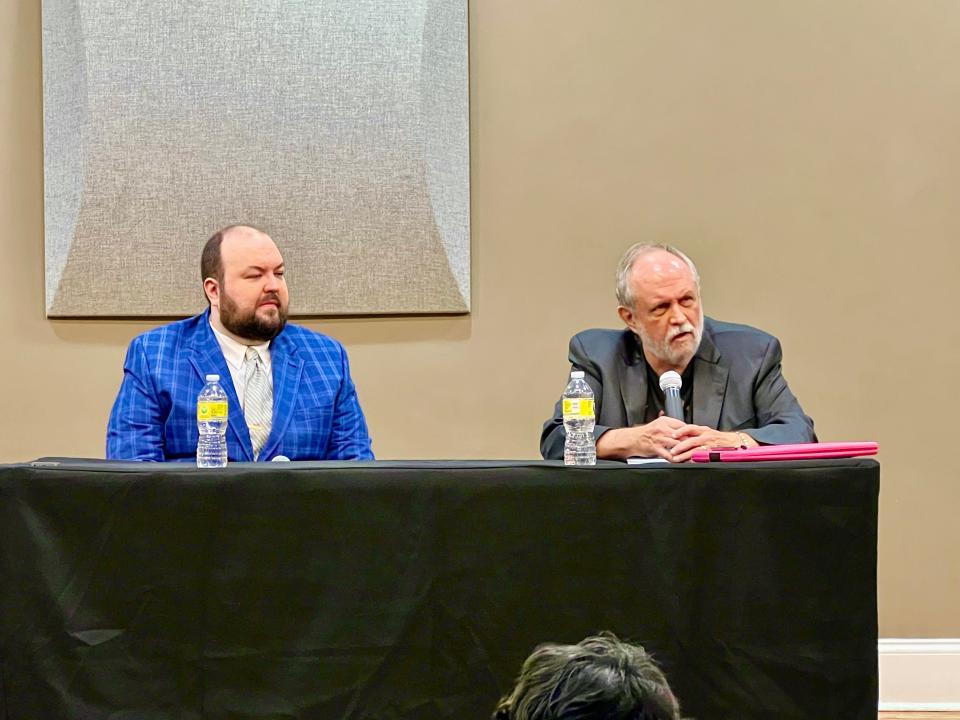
[
  {"x": 691, "y": 438},
  {"x": 655, "y": 439},
  {"x": 666, "y": 438}
]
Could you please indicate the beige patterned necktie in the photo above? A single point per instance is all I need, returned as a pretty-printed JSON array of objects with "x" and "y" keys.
[{"x": 257, "y": 400}]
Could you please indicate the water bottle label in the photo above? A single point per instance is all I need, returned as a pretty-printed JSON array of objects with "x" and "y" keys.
[
  {"x": 211, "y": 410},
  {"x": 578, "y": 408}
]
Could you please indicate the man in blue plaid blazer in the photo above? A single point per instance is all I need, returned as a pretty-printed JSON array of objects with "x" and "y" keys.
[{"x": 315, "y": 411}]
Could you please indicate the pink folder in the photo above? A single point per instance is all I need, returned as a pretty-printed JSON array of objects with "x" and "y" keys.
[{"x": 800, "y": 451}]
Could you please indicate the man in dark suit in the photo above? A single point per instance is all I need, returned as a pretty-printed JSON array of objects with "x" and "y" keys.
[
  {"x": 733, "y": 391},
  {"x": 289, "y": 389}
]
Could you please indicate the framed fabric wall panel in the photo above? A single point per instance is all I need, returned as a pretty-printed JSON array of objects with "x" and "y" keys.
[{"x": 339, "y": 127}]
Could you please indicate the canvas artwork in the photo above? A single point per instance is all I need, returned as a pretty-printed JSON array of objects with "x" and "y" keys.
[{"x": 341, "y": 127}]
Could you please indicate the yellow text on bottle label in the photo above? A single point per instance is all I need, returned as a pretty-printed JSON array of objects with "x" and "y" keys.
[
  {"x": 578, "y": 407},
  {"x": 211, "y": 410}
]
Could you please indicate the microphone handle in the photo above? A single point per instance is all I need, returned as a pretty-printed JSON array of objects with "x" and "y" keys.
[{"x": 674, "y": 407}]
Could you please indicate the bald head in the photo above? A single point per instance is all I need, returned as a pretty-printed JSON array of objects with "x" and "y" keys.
[
  {"x": 653, "y": 260},
  {"x": 211, "y": 259}
]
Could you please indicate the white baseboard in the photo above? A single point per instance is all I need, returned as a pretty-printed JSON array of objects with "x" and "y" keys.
[{"x": 919, "y": 674}]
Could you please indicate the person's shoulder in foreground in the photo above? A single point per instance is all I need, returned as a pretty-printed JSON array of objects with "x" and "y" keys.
[
  {"x": 308, "y": 403},
  {"x": 599, "y": 678},
  {"x": 734, "y": 391}
]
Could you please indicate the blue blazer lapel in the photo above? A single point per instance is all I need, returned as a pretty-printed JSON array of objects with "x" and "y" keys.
[
  {"x": 287, "y": 369},
  {"x": 206, "y": 358},
  {"x": 709, "y": 383}
]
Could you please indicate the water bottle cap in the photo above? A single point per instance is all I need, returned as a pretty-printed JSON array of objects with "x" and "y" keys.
[
  {"x": 670, "y": 379},
  {"x": 213, "y": 378},
  {"x": 576, "y": 375}
]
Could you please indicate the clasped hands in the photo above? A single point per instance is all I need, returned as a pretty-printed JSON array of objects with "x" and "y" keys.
[{"x": 665, "y": 437}]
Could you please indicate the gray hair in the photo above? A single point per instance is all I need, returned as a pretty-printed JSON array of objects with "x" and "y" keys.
[
  {"x": 624, "y": 293},
  {"x": 600, "y": 678}
]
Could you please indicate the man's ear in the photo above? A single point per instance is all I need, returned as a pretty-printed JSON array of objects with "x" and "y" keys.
[
  {"x": 211, "y": 288},
  {"x": 626, "y": 314}
]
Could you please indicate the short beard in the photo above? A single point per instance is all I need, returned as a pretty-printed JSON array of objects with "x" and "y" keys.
[
  {"x": 665, "y": 352},
  {"x": 248, "y": 326}
]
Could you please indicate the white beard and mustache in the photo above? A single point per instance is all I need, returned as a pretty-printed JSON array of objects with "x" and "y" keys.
[{"x": 677, "y": 356}]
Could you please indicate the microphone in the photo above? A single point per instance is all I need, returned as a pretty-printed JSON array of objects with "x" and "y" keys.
[{"x": 670, "y": 383}]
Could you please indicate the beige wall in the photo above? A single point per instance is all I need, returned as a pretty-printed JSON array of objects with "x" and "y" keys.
[{"x": 806, "y": 154}]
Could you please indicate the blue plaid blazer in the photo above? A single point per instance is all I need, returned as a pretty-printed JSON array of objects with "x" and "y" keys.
[{"x": 316, "y": 414}]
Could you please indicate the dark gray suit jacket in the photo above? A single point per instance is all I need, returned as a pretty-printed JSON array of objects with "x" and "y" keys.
[{"x": 737, "y": 385}]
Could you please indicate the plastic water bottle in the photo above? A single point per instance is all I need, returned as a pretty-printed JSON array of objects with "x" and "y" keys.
[
  {"x": 212, "y": 415},
  {"x": 578, "y": 420}
]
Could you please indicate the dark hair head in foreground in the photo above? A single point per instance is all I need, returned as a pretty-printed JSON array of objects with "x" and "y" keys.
[{"x": 600, "y": 678}]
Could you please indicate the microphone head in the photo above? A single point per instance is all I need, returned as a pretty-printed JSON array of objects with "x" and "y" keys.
[{"x": 670, "y": 379}]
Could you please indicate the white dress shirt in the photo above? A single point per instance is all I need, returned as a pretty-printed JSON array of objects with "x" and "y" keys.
[{"x": 234, "y": 353}]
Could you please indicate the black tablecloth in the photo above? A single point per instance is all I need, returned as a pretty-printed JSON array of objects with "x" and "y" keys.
[{"x": 415, "y": 590}]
